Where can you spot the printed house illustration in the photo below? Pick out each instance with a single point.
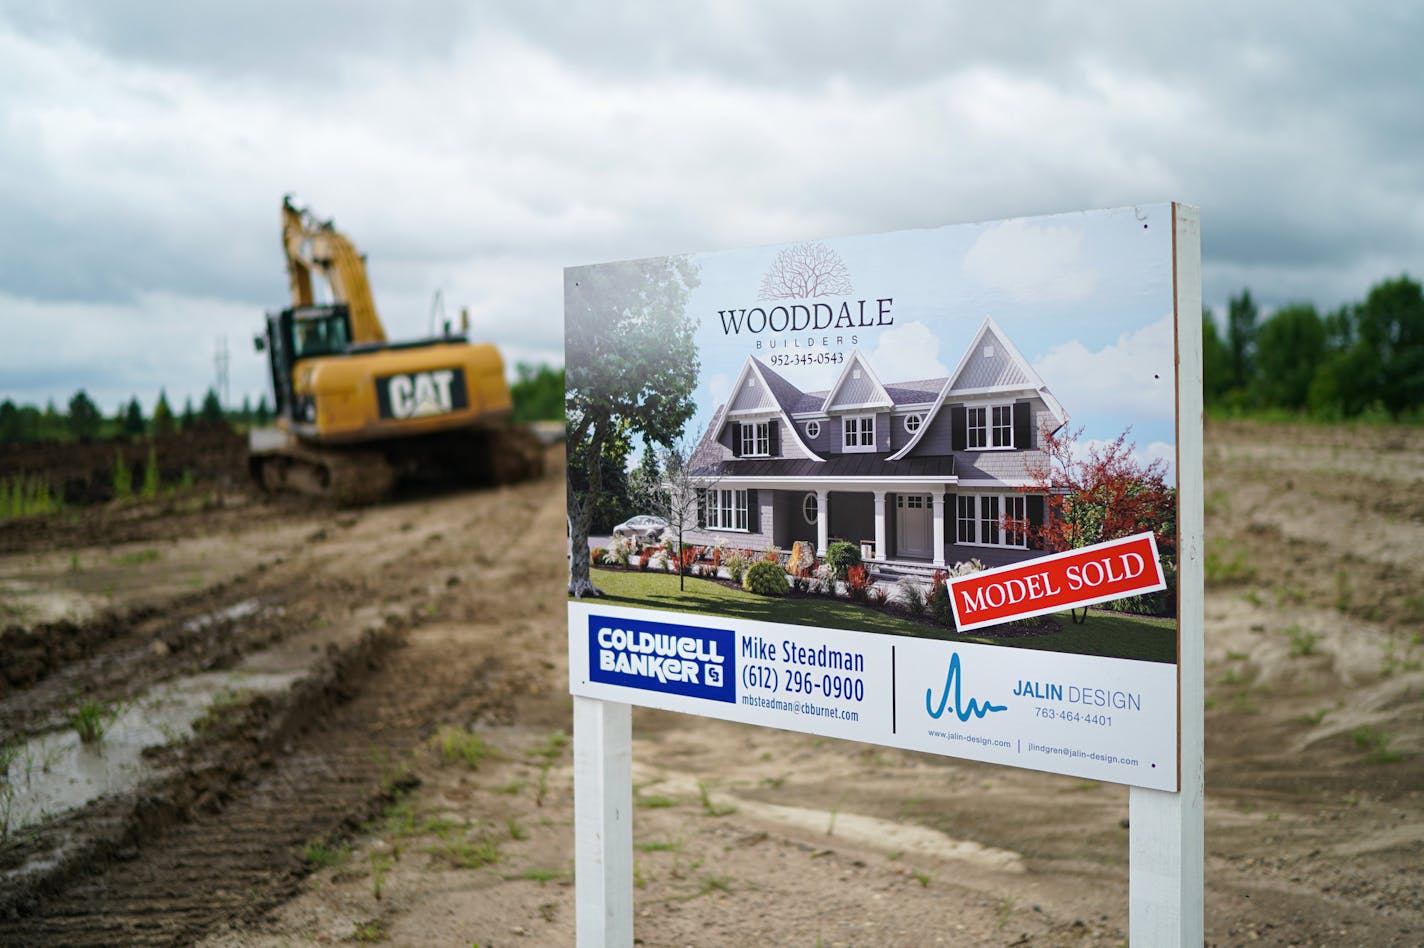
(920, 472)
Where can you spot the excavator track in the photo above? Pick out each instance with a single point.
(484, 456)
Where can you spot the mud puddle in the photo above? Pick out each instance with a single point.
(55, 772)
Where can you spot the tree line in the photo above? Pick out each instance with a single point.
(538, 393)
(1364, 360)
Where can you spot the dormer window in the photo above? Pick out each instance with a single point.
(913, 422)
(813, 430)
(858, 433)
(756, 439)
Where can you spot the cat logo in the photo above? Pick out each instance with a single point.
(422, 393)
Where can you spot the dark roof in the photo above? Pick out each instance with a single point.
(840, 465)
(788, 396)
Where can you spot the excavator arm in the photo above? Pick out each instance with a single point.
(313, 246)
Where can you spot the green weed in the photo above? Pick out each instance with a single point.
(552, 747)
(541, 875)
(653, 802)
(92, 719)
(137, 557)
(1375, 740)
(149, 490)
(658, 846)
(370, 932)
(1225, 566)
(1302, 641)
(467, 854)
(26, 496)
(323, 854)
(457, 744)
(516, 829)
(380, 865)
(710, 808)
(122, 477)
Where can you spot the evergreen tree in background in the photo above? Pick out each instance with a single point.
(212, 413)
(1241, 340)
(162, 415)
(84, 417)
(263, 413)
(1216, 373)
(185, 420)
(133, 424)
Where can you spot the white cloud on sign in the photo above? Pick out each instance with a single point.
(907, 353)
(1032, 263)
(1136, 371)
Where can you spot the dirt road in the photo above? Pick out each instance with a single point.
(382, 753)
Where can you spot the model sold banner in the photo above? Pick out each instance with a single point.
(915, 489)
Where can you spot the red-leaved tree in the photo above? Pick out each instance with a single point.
(1103, 493)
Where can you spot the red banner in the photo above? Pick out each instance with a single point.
(1112, 570)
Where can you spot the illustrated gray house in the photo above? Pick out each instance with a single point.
(917, 472)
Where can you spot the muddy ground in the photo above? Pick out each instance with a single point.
(380, 748)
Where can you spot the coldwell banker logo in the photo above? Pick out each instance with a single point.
(806, 271)
(661, 656)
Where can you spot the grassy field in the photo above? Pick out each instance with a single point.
(1104, 633)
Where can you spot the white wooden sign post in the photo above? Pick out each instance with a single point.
(946, 467)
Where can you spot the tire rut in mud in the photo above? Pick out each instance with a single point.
(222, 840)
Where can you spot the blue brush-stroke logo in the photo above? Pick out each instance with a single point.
(954, 680)
(661, 656)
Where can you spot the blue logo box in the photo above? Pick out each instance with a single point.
(661, 656)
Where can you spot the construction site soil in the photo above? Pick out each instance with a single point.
(324, 726)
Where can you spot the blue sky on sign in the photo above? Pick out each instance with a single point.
(478, 149)
(1086, 298)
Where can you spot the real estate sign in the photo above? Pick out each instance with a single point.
(985, 416)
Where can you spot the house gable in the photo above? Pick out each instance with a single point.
(760, 395)
(991, 366)
(857, 389)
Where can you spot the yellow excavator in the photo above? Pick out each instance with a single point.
(356, 412)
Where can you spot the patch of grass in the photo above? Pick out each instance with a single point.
(551, 747)
(658, 846)
(1103, 633)
(516, 829)
(467, 854)
(26, 496)
(369, 932)
(380, 865)
(542, 875)
(1344, 591)
(1302, 641)
(710, 808)
(1315, 717)
(654, 802)
(514, 788)
(325, 853)
(923, 878)
(1375, 741)
(92, 719)
(1225, 565)
(716, 884)
(460, 745)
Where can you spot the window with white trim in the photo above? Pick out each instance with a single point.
(1003, 426)
(810, 508)
(977, 428)
(913, 422)
(756, 439)
(726, 509)
(980, 519)
(989, 426)
(813, 430)
(858, 433)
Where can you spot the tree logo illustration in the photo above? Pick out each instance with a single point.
(805, 271)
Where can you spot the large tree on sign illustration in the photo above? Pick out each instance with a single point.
(630, 366)
(1098, 493)
(805, 271)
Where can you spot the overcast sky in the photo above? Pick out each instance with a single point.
(478, 148)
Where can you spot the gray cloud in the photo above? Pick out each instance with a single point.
(478, 149)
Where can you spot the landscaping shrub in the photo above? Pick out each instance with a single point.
(765, 579)
(858, 582)
(644, 557)
(736, 566)
(938, 600)
(841, 556)
(911, 595)
(598, 555)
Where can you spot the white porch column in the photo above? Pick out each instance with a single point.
(823, 521)
(938, 496)
(880, 552)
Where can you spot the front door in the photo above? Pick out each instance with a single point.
(914, 526)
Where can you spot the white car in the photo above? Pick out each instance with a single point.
(643, 527)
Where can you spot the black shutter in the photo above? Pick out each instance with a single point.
(774, 434)
(753, 512)
(1034, 506)
(701, 509)
(736, 429)
(1023, 419)
(958, 427)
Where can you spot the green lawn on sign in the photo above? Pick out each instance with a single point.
(1104, 633)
